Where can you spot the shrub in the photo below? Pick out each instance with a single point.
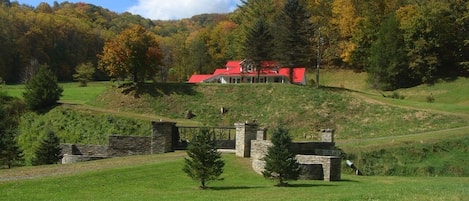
(430, 98)
(396, 95)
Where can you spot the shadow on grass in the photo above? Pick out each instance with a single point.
(306, 185)
(234, 187)
(347, 180)
(158, 89)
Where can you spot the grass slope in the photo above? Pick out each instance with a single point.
(303, 110)
(159, 177)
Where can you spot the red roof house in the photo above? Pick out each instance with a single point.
(237, 72)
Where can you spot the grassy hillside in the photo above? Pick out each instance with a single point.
(378, 133)
(303, 110)
(159, 177)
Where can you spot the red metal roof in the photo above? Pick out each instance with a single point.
(233, 68)
(199, 78)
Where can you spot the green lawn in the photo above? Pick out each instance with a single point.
(82, 95)
(159, 177)
(72, 92)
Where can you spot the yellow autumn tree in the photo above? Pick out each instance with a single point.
(345, 18)
(134, 53)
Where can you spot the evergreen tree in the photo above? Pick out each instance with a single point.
(280, 161)
(49, 151)
(204, 163)
(388, 61)
(10, 109)
(293, 36)
(10, 153)
(42, 90)
(258, 46)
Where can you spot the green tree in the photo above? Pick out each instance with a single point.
(280, 161)
(49, 151)
(10, 153)
(42, 90)
(84, 73)
(204, 163)
(134, 53)
(258, 46)
(431, 39)
(10, 110)
(293, 36)
(388, 68)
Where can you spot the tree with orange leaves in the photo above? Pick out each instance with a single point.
(134, 53)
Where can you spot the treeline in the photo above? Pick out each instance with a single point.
(399, 43)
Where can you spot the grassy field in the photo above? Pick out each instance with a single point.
(72, 92)
(159, 177)
(366, 123)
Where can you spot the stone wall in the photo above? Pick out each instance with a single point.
(128, 145)
(314, 165)
(73, 153)
(258, 151)
(330, 165)
(81, 149)
(311, 147)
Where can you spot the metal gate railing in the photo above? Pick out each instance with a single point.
(225, 137)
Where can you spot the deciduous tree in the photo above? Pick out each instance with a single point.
(134, 53)
(84, 73)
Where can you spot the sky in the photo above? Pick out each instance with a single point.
(156, 9)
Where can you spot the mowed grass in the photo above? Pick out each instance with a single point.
(450, 96)
(159, 177)
(72, 92)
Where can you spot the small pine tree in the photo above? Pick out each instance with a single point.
(204, 163)
(280, 161)
(10, 153)
(42, 90)
(49, 151)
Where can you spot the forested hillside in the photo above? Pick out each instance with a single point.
(400, 43)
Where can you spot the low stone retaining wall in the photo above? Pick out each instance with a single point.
(313, 167)
(128, 145)
(81, 149)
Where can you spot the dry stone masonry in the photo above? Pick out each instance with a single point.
(318, 160)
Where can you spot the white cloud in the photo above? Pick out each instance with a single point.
(178, 9)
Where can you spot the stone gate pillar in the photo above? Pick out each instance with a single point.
(245, 132)
(162, 137)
